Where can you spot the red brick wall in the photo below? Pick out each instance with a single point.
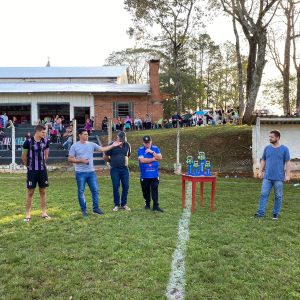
(141, 105)
(154, 79)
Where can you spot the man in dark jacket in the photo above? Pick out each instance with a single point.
(118, 159)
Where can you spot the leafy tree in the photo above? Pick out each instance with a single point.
(137, 60)
(253, 17)
(167, 24)
(273, 91)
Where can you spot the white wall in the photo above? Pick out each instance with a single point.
(75, 100)
(290, 137)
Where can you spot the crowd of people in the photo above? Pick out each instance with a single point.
(129, 123)
(206, 117)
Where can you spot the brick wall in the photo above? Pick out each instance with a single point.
(142, 105)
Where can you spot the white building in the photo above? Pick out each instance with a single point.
(290, 137)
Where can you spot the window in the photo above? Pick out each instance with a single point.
(123, 109)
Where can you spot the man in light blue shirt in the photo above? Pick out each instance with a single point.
(81, 154)
(275, 163)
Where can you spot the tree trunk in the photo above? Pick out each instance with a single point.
(256, 66)
(240, 71)
(298, 89)
(286, 68)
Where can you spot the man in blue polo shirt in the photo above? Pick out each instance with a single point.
(149, 156)
(275, 162)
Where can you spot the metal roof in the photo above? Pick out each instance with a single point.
(279, 120)
(62, 72)
(74, 87)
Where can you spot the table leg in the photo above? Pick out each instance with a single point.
(193, 196)
(202, 193)
(213, 192)
(183, 192)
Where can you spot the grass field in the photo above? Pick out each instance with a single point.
(127, 255)
(227, 147)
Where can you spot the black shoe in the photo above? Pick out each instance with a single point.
(258, 216)
(275, 217)
(98, 212)
(157, 209)
(84, 214)
(147, 206)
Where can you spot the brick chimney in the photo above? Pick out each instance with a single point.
(154, 80)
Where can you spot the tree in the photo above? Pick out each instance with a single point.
(273, 91)
(252, 16)
(172, 22)
(296, 59)
(288, 9)
(137, 60)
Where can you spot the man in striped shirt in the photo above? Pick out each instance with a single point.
(34, 156)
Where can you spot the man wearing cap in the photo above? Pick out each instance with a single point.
(118, 159)
(149, 156)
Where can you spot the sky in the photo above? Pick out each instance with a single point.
(70, 32)
(73, 32)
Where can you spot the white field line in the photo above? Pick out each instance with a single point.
(176, 285)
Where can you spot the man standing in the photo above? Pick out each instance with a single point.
(276, 164)
(118, 158)
(34, 156)
(81, 154)
(149, 157)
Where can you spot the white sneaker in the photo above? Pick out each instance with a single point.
(116, 208)
(125, 207)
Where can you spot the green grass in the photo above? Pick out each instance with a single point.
(223, 145)
(127, 255)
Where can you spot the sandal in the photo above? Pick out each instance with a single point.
(46, 217)
(26, 220)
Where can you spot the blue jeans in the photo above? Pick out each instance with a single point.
(117, 175)
(265, 192)
(91, 179)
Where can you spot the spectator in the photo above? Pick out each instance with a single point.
(15, 121)
(118, 158)
(149, 157)
(58, 126)
(176, 117)
(138, 124)
(127, 123)
(168, 123)
(4, 120)
(88, 126)
(104, 124)
(28, 136)
(69, 138)
(118, 123)
(93, 122)
(200, 120)
(81, 154)
(147, 122)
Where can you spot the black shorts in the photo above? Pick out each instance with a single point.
(34, 177)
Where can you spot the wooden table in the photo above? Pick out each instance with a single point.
(201, 180)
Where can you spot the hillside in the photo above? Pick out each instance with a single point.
(227, 147)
